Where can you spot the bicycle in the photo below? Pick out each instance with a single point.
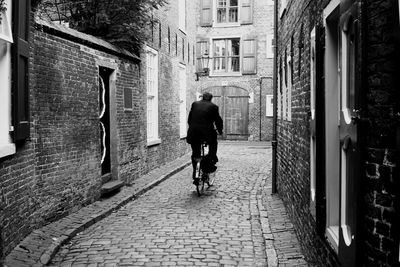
(201, 176)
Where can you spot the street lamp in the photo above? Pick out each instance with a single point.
(204, 61)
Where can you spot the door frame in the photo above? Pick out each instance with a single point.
(110, 69)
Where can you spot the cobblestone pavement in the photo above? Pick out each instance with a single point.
(169, 225)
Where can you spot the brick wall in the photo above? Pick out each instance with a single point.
(58, 170)
(379, 201)
(254, 84)
(293, 155)
(382, 225)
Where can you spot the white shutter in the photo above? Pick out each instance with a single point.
(182, 101)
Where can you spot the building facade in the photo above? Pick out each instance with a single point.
(78, 112)
(337, 128)
(237, 37)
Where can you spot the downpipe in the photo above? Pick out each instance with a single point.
(275, 98)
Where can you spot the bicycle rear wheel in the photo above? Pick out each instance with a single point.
(199, 181)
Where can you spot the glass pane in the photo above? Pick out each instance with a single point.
(219, 48)
(219, 64)
(233, 2)
(234, 64)
(352, 67)
(221, 15)
(221, 3)
(233, 14)
(234, 44)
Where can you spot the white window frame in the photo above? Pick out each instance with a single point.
(289, 88)
(332, 185)
(270, 45)
(211, 63)
(182, 15)
(5, 25)
(7, 146)
(225, 24)
(269, 106)
(282, 8)
(182, 101)
(152, 96)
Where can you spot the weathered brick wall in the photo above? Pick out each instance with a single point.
(379, 217)
(262, 25)
(171, 55)
(58, 170)
(382, 224)
(293, 170)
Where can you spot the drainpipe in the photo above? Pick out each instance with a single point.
(275, 98)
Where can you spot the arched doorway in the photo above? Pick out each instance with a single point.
(233, 105)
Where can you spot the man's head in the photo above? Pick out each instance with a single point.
(207, 96)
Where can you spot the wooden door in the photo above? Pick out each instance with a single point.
(351, 55)
(234, 110)
(104, 119)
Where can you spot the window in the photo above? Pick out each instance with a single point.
(269, 106)
(14, 111)
(5, 24)
(152, 96)
(270, 46)
(282, 8)
(169, 40)
(182, 15)
(227, 11)
(7, 147)
(289, 84)
(182, 101)
(226, 55)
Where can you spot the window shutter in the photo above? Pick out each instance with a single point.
(246, 14)
(206, 13)
(249, 56)
(202, 46)
(20, 90)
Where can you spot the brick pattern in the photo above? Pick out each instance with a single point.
(260, 126)
(58, 170)
(380, 156)
(293, 136)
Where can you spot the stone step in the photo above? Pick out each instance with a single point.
(111, 187)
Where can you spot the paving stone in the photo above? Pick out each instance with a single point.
(237, 222)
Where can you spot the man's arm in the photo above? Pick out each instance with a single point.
(218, 121)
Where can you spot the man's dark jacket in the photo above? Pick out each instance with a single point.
(202, 117)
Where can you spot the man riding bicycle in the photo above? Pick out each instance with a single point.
(204, 123)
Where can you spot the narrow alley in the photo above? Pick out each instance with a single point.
(230, 225)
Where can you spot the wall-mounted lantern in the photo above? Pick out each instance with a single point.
(204, 61)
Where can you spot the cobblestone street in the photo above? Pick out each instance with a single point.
(171, 226)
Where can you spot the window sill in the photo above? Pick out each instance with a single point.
(226, 25)
(225, 74)
(153, 142)
(7, 150)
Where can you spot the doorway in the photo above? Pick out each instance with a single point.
(343, 68)
(233, 103)
(106, 124)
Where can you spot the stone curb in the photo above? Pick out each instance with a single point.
(38, 248)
